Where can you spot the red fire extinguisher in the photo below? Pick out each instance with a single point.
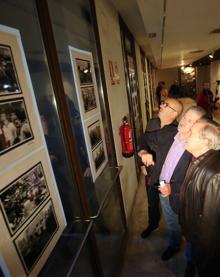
(125, 132)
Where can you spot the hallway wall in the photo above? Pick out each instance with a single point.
(109, 31)
(167, 75)
(202, 75)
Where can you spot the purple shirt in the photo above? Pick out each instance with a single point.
(175, 153)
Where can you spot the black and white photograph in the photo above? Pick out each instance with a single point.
(9, 83)
(15, 127)
(32, 242)
(95, 134)
(23, 197)
(98, 156)
(84, 72)
(89, 100)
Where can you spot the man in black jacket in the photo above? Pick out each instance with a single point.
(200, 198)
(154, 145)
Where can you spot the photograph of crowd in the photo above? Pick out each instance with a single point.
(32, 242)
(98, 156)
(9, 83)
(15, 128)
(95, 133)
(84, 72)
(22, 197)
(89, 101)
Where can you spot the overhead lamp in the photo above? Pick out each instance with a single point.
(211, 55)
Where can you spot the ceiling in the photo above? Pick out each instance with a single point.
(181, 27)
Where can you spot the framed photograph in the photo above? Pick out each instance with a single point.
(84, 72)
(9, 83)
(33, 240)
(15, 126)
(20, 199)
(95, 134)
(89, 100)
(99, 156)
(90, 113)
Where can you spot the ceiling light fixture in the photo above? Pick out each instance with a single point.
(211, 55)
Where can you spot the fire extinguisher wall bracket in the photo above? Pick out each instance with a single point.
(127, 155)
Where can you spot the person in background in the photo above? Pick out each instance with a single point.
(172, 174)
(160, 85)
(199, 212)
(152, 150)
(204, 99)
(164, 94)
(174, 90)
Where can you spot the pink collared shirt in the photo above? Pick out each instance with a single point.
(175, 153)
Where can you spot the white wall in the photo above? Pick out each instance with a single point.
(167, 75)
(109, 31)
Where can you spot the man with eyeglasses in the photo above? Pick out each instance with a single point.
(153, 147)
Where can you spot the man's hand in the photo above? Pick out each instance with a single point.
(143, 170)
(165, 190)
(146, 158)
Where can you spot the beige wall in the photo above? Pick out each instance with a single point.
(109, 31)
(167, 75)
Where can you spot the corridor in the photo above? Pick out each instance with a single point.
(79, 82)
(142, 256)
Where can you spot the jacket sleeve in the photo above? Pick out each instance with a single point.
(177, 180)
(210, 217)
(146, 139)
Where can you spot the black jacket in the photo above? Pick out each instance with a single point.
(158, 141)
(200, 203)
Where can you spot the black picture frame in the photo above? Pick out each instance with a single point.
(31, 243)
(23, 197)
(9, 82)
(95, 134)
(84, 71)
(15, 112)
(98, 155)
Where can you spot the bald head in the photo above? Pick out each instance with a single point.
(170, 109)
(176, 104)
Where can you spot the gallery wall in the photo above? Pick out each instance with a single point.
(109, 32)
(31, 212)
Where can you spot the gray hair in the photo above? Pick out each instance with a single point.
(197, 109)
(211, 133)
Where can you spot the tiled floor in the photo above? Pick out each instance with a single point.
(143, 255)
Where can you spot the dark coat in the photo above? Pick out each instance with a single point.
(200, 202)
(158, 141)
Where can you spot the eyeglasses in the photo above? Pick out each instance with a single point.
(165, 104)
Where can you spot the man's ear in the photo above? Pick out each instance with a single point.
(206, 142)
